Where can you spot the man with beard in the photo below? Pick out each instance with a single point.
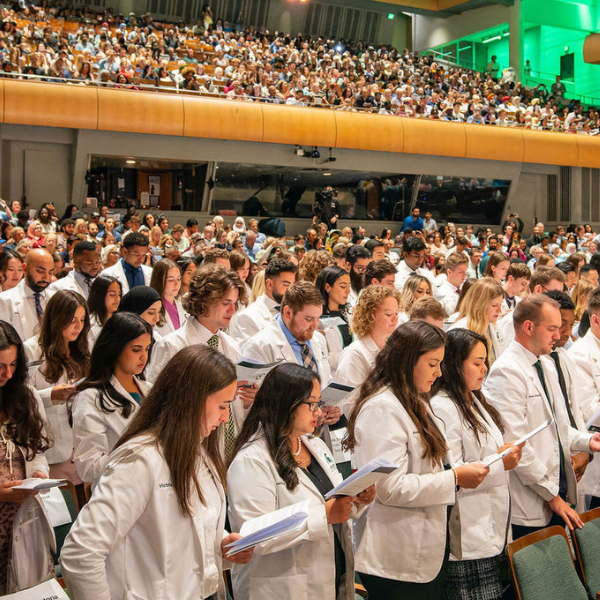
(279, 276)
(357, 259)
(86, 266)
(23, 306)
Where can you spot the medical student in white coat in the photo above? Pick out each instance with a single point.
(130, 270)
(334, 284)
(112, 392)
(413, 254)
(154, 527)
(58, 358)
(374, 319)
(23, 306)
(480, 309)
(146, 302)
(403, 546)
(472, 429)
(86, 266)
(166, 280)
(23, 441)
(278, 463)
(585, 354)
(103, 302)
(524, 388)
(211, 302)
(279, 274)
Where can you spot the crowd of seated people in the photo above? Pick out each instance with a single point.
(243, 63)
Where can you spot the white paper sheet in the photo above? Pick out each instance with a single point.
(43, 591)
(335, 393)
(365, 477)
(270, 526)
(37, 483)
(252, 371)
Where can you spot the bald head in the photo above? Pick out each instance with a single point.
(39, 268)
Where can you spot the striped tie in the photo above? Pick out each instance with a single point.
(308, 359)
(39, 311)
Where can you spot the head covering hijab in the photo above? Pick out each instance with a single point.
(237, 228)
(139, 299)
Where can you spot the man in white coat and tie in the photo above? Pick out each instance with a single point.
(456, 272)
(86, 266)
(291, 337)
(523, 386)
(585, 353)
(211, 302)
(130, 270)
(279, 275)
(23, 306)
(413, 253)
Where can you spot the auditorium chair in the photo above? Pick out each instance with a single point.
(542, 567)
(587, 552)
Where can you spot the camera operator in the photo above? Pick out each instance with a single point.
(326, 207)
(515, 221)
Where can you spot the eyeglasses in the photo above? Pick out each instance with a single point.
(314, 406)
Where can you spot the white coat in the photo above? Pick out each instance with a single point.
(95, 432)
(513, 387)
(117, 271)
(355, 362)
(68, 282)
(251, 320)
(584, 355)
(190, 333)
(335, 345)
(483, 511)
(270, 345)
(404, 532)
(95, 329)
(299, 565)
(57, 417)
(131, 541)
(17, 307)
(169, 326)
(493, 334)
(404, 272)
(448, 297)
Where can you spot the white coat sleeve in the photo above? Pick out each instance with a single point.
(162, 352)
(352, 368)
(252, 493)
(506, 392)
(382, 432)
(454, 432)
(39, 463)
(118, 502)
(252, 348)
(89, 440)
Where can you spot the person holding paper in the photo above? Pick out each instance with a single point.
(279, 274)
(154, 527)
(524, 388)
(211, 302)
(403, 549)
(334, 284)
(290, 337)
(374, 319)
(23, 441)
(59, 357)
(473, 430)
(277, 463)
(112, 392)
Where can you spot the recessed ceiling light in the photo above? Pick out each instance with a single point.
(326, 174)
(130, 161)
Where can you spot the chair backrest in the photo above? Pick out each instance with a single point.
(587, 551)
(542, 567)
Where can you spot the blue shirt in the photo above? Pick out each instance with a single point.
(134, 277)
(294, 343)
(414, 224)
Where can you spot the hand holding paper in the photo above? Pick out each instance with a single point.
(35, 483)
(364, 478)
(240, 558)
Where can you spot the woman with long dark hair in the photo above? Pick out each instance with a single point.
(23, 440)
(58, 358)
(11, 269)
(103, 302)
(154, 526)
(392, 419)
(277, 462)
(334, 284)
(473, 431)
(111, 393)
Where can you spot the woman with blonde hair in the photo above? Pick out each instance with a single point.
(313, 262)
(80, 228)
(416, 287)
(479, 312)
(580, 296)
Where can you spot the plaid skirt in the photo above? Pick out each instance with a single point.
(474, 579)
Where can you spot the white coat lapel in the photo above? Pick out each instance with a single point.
(304, 478)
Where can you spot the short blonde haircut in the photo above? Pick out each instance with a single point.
(370, 301)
